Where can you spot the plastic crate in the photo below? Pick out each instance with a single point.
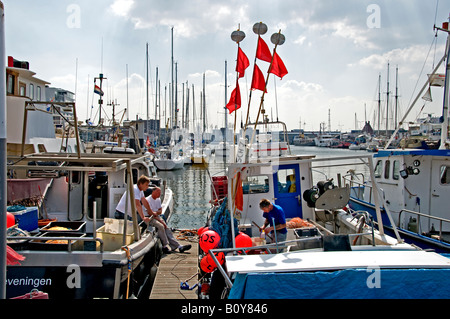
(112, 234)
(219, 187)
(27, 219)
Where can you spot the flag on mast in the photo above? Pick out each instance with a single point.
(278, 67)
(242, 63)
(235, 99)
(98, 90)
(262, 51)
(258, 82)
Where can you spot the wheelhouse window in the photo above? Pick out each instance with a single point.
(31, 91)
(22, 89)
(10, 85)
(255, 184)
(445, 175)
(378, 169)
(387, 167)
(286, 180)
(396, 170)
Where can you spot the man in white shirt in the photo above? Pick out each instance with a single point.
(139, 187)
(164, 232)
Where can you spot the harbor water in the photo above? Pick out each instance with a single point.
(191, 185)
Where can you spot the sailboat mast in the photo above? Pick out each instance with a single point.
(146, 63)
(387, 102)
(156, 103)
(396, 98)
(171, 101)
(379, 102)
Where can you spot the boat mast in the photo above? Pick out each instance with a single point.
(387, 102)
(396, 98)
(156, 105)
(171, 93)
(379, 103)
(146, 63)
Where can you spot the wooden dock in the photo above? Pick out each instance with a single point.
(175, 268)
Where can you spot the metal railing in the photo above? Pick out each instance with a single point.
(69, 239)
(268, 248)
(429, 217)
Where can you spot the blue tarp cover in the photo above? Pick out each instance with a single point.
(344, 284)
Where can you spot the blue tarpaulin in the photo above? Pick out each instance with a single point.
(345, 284)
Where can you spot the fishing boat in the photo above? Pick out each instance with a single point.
(328, 244)
(331, 250)
(267, 144)
(93, 255)
(414, 183)
(82, 252)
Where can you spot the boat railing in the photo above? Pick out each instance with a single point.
(428, 217)
(358, 187)
(273, 248)
(68, 238)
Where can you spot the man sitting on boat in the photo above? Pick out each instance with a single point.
(164, 232)
(276, 218)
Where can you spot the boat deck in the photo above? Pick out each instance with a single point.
(174, 269)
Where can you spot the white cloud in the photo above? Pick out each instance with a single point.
(122, 7)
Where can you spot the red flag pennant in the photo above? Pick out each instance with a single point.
(242, 63)
(235, 100)
(263, 52)
(258, 82)
(278, 67)
(239, 200)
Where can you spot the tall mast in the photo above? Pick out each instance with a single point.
(172, 104)
(396, 97)
(379, 102)
(146, 64)
(156, 103)
(387, 102)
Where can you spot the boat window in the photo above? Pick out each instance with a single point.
(76, 177)
(286, 180)
(378, 169)
(31, 91)
(22, 89)
(445, 175)
(396, 170)
(134, 172)
(10, 85)
(255, 184)
(387, 167)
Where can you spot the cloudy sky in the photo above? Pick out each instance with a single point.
(334, 52)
